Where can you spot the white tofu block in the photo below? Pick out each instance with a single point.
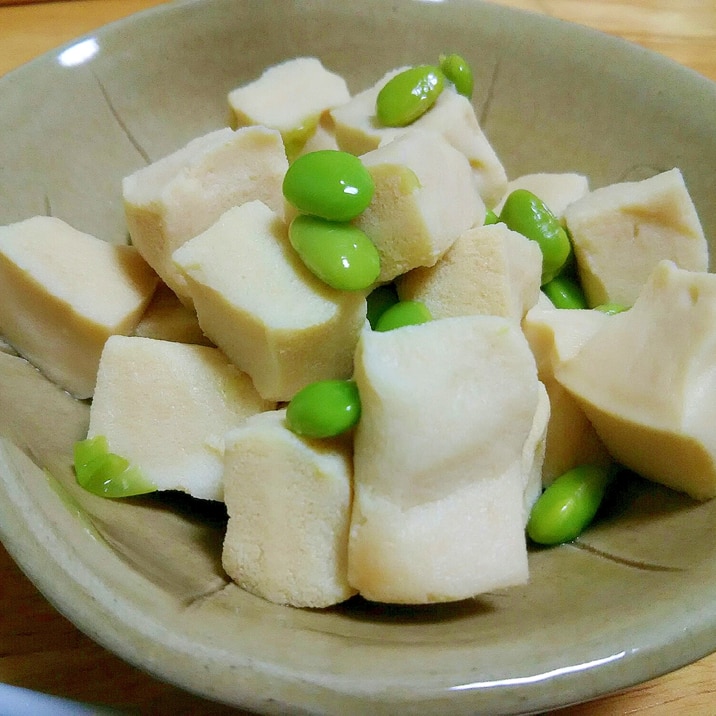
(424, 199)
(257, 301)
(555, 336)
(622, 231)
(166, 406)
(489, 270)
(168, 319)
(289, 504)
(557, 191)
(174, 199)
(290, 97)
(646, 381)
(453, 116)
(64, 293)
(440, 463)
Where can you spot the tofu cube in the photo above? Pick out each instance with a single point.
(489, 270)
(440, 469)
(289, 506)
(176, 198)
(257, 301)
(291, 97)
(424, 199)
(166, 406)
(646, 381)
(357, 131)
(622, 231)
(64, 293)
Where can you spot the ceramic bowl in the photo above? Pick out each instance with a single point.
(634, 598)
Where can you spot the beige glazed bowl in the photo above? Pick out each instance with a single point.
(634, 598)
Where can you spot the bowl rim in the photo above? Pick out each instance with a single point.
(48, 561)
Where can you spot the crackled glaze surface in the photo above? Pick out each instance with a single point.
(633, 599)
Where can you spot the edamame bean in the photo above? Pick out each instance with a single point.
(456, 69)
(324, 409)
(379, 300)
(294, 140)
(490, 218)
(105, 473)
(611, 308)
(408, 95)
(527, 214)
(569, 504)
(329, 183)
(565, 292)
(338, 253)
(403, 313)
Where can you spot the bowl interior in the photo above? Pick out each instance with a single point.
(633, 599)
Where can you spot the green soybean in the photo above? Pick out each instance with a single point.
(338, 253)
(528, 214)
(408, 95)
(459, 72)
(324, 409)
(490, 218)
(379, 300)
(569, 504)
(611, 308)
(105, 473)
(403, 313)
(565, 292)
(329, 183)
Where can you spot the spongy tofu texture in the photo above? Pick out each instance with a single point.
(258, 302)
(64, 292)
(440, 469)
(289, 503)
(181, 195)
(166, 406)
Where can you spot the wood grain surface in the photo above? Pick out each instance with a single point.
(41, 650)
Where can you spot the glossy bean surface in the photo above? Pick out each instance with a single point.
(338, 253)
(105, 473)
(457, 70)
(565, 292)
(379, 300)
(528, 214)
(403, 313)
(568, 505)
(324, 409)
(330, 184)
(408, 95)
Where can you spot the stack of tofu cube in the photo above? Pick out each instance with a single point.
(192, 340)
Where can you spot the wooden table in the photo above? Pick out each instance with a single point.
(41, 650)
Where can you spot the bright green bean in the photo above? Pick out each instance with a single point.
(565, 292)
(324, 409)
(329, 183)
(527, 214)
(569, 504)
(105, 473)
(408, 95)
(403, 313)
(339, 253)
(379, 300)
(490, 218)
(459, 72)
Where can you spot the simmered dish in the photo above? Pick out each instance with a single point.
(395, 365)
